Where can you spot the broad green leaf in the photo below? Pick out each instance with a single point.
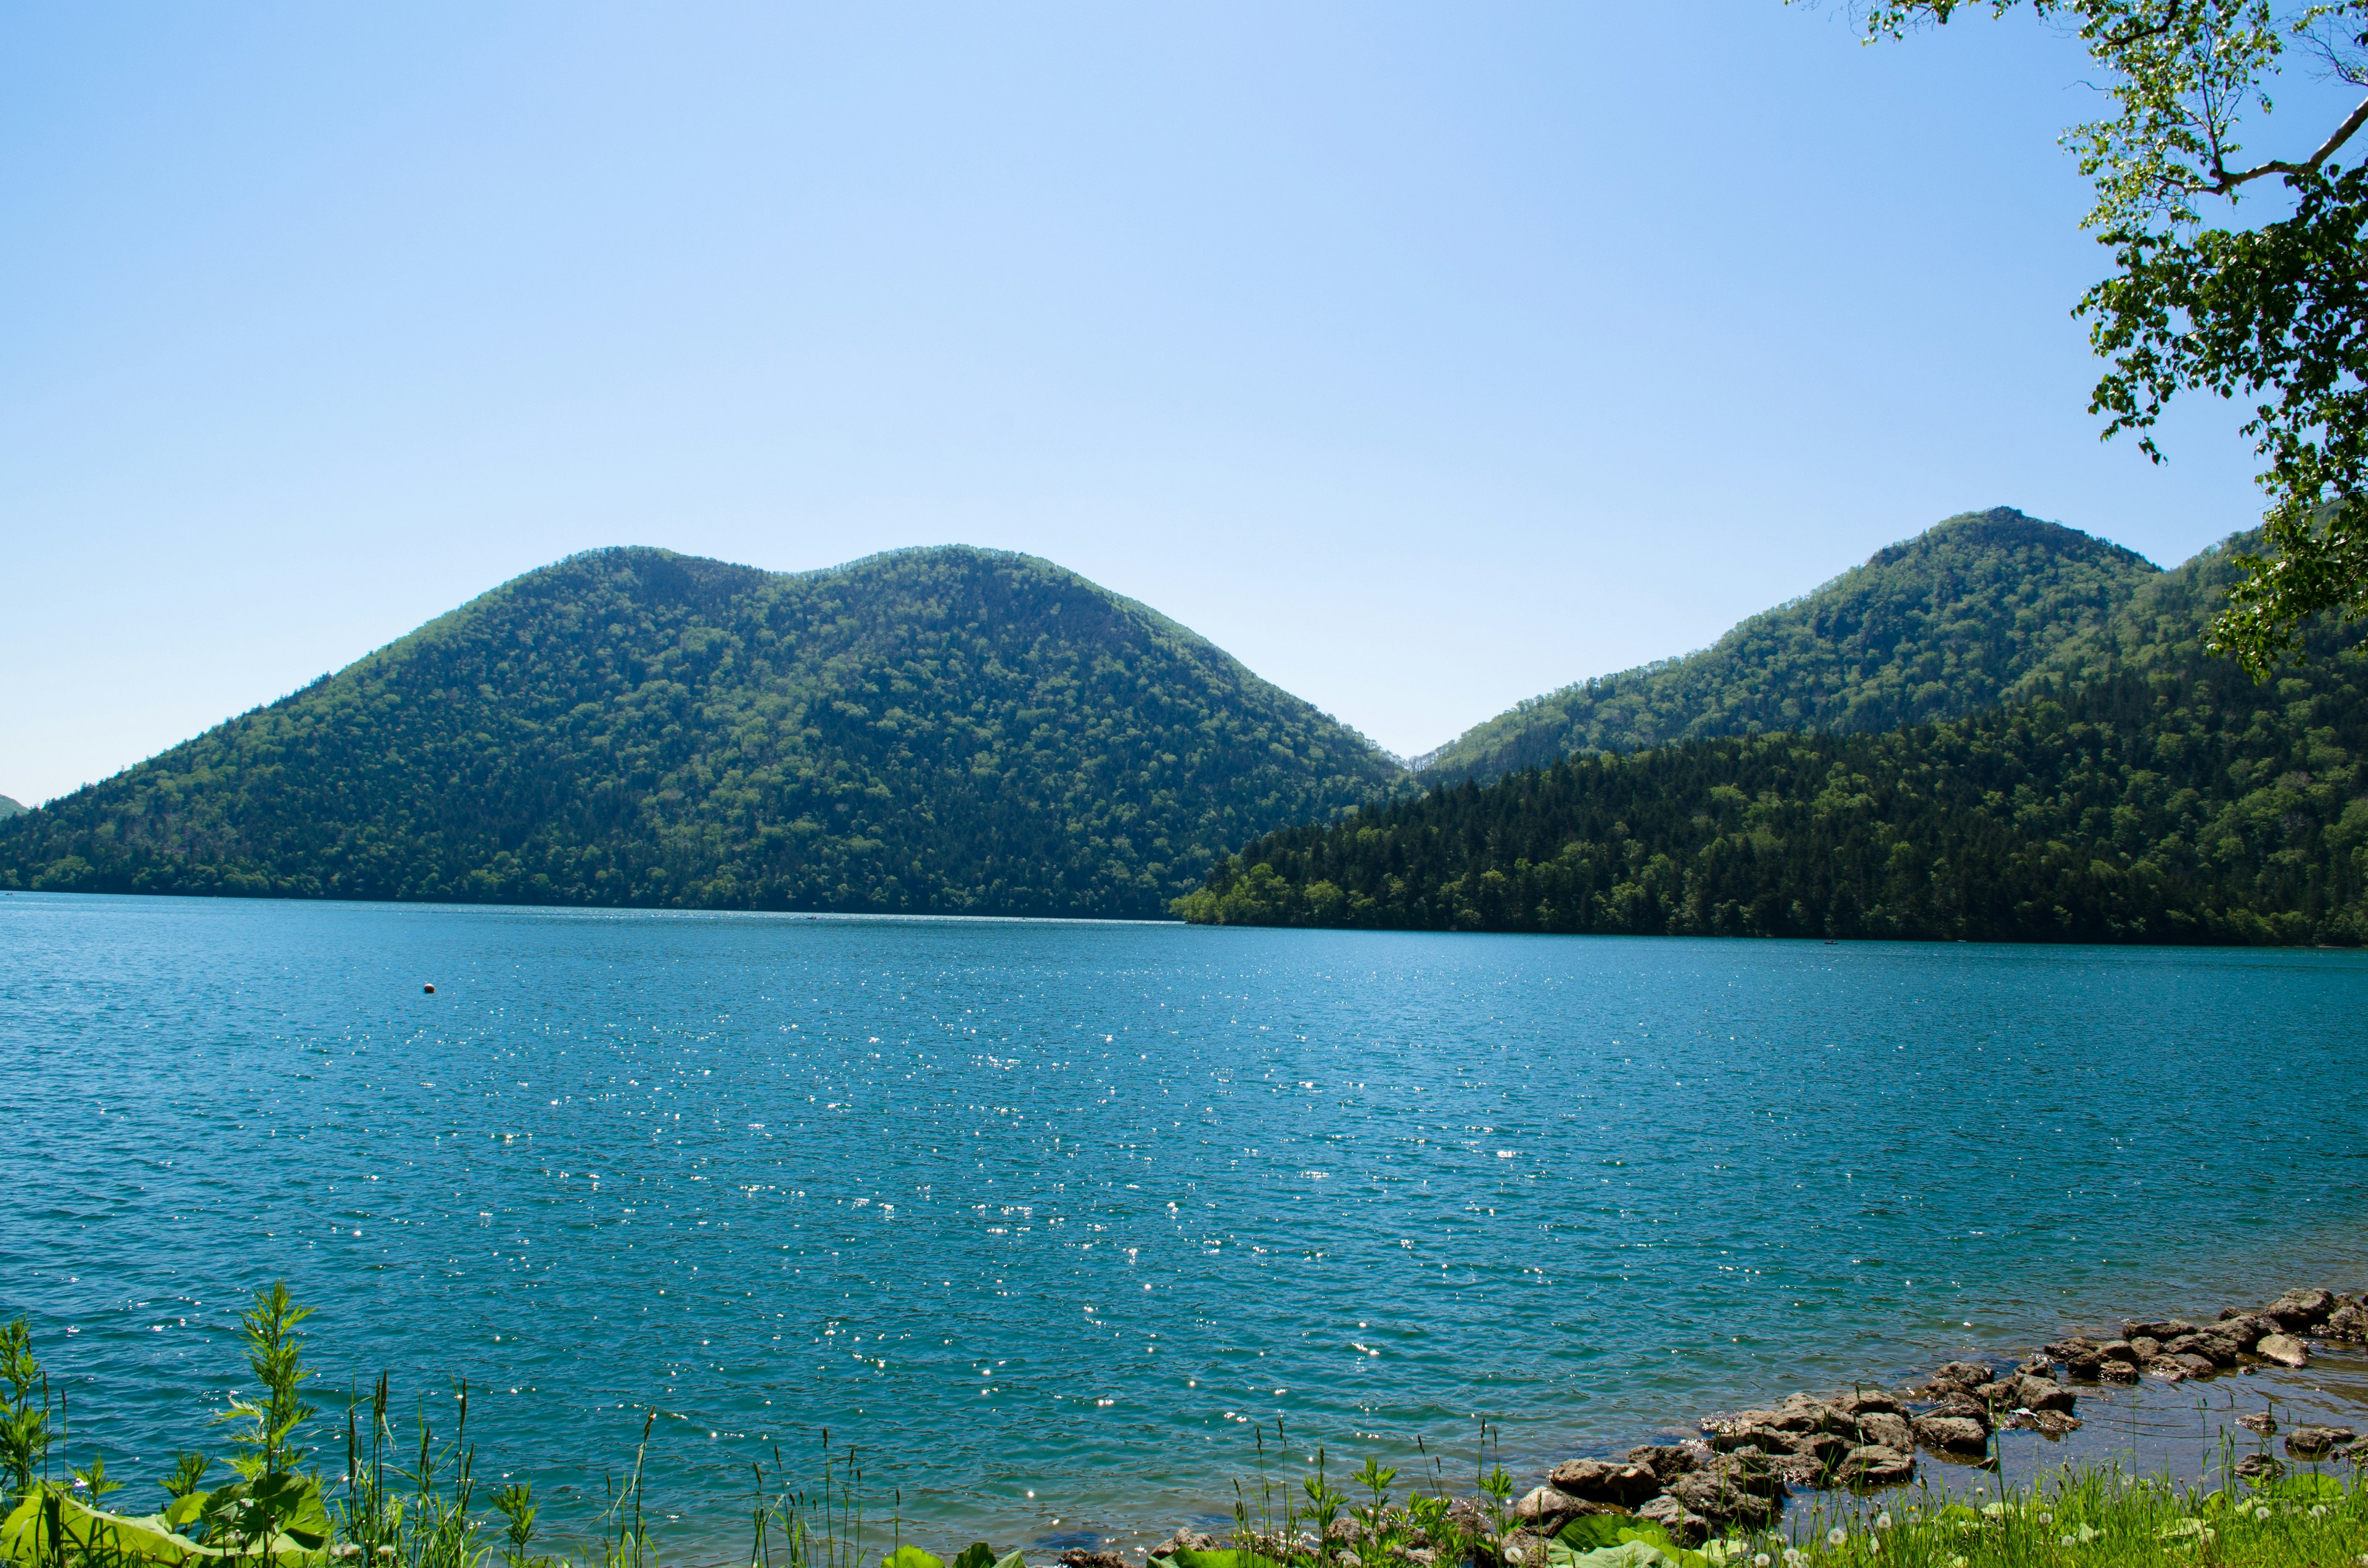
(977, 1554)
(911, 1557)
(1589, 1532)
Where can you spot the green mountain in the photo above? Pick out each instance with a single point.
(1939, 626)
(947, 730)
(9, 808)
(2135, 789)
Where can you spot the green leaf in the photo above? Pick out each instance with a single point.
(1224, 1558)
(50, 1524)
(977, 1554)
(911, 1557)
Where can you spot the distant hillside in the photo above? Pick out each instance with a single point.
(2135, 790)
(1939, 626)
(9, 808)
(949, 730)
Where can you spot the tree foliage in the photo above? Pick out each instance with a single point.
(2272, 314)
(1939, 626)
(2141, 788)
(954, 731)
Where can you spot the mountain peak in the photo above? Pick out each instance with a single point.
(1932, 627)
(939, 730)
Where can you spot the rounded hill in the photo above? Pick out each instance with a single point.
(945, 730)
(1935, 627)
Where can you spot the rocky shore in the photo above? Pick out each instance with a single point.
(1736, 1476)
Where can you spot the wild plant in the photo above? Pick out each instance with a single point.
(515, 1502)
(266, 1429)
(1324, 1503)
(1496, 1486)
(190, 1468)
(1376, 1535)
(93, 1480)
(24, 1426)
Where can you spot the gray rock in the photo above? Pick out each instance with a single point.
(1684, 1527)
(2165, 1369)
(1801, 1414)
(2348, 1324)
(2196, 1364)
(2301, 1309)
(2259, 1468)
(2220, 1350)
(1963, 1375)
(2314, 1442)
(1822, 1449)
(1886, 1429)
(2144, 1347)
(2047, 1423)
(2043, 1393)
(1955, 1436)
(2158, 1329)
(2248, 1327)
(2260, 1421)
(1665, 1461)
(1748, 1468)
(1547, 1507)
(1770, 1439)
(1876, 1464)
(1599, 1482)
(2085, 1362)
(2117, 1371)
(1964, 1407)
(2283, 1349)
(1721, 1498)
(1863, 1402)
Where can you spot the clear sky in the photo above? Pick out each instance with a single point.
(1424, 356)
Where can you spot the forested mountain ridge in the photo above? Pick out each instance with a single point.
(2138, 789)
(942, 730)
(1938, 626)
(9, 808)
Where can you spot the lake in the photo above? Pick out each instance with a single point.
(1050, 1218)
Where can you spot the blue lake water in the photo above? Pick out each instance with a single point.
(1045, 1216)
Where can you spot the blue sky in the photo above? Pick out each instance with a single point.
(1424, 356)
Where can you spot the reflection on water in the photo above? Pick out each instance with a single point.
(1051, 1217)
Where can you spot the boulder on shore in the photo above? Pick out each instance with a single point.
(2158, 1329)
(2348, 1324)
(2314, 1442)
(2284, 1349)
(2301, 1309)
(1727, 1498)
(1665, 1461)
(1876, 1464)
(1961, 1375)
(1685, 1526)
(1599, 1480)
(1887, 1430)
(1955, 1435)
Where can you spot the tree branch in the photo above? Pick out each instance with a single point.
(2223, 182)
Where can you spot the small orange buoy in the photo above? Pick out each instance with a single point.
(431, 989)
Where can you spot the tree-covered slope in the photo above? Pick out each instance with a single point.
(947, 730)
(9, 808)
(2137, 789)
(1939, 626)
